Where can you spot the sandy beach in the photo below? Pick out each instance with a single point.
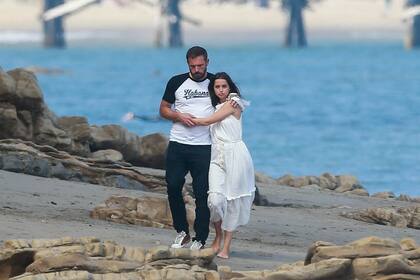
(327, 19)
(35, 207)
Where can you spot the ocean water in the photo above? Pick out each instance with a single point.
(344, 108)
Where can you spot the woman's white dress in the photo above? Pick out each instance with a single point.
(231, 175)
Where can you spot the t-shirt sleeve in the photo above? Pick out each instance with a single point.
(169, 95)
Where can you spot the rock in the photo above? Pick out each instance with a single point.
(368, 247)
(264, 179)
(408, 244)
(347, 183)
(7, 86)
(47, 132)
(8, 120)
(299, 182)
(400, 217)
(107, 155)
(79, 131)
(360, 192)
(89, 258)
(14, 263)
(28, 95)
(152, 151)
(152, 211)
(384, 195)
(285, 180)
(370, 258)
(148, 151)
(327, 181)
(46, 161)
(404, 197)
(381, 266)
(326, 269)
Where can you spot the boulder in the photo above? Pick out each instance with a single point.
(264, 179)
(7, 86)
(107, 155)
(150, 211)
(27, 95)
(384, 195)
(399, 217)
(148, 151)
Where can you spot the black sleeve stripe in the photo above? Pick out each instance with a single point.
(171, 87)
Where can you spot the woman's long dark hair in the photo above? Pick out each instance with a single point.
(221, 75)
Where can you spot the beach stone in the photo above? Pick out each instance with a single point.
(347, 183)
(264, 179)
(412, 254)
(7, 86)
(360, 192)
(313, 180)
(148, 151)
(67, 258)
(399, 217)
(79, 131)
(8, 120)
(107, 155)
(397, 277)
(152, 151)
(384, 195)
(46, 161)
(363, 268)
(259, 199)
(408, 244)
(404, 197)
(325, 269)
(299, 182)
(108, 137)
(89, 258)
(14, 263)
(28, 94)
(327, 181)
(13, 123)
(152, 211)
(77, 127)
(47, 132)
(285, 180)
(363, 248)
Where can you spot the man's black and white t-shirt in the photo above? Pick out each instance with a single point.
(192, 97)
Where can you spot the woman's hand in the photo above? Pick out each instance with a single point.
(197, 121)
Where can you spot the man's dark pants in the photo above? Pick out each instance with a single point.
(180, 159)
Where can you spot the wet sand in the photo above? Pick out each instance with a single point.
(34, 207)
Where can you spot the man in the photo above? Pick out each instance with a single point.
(187, 96)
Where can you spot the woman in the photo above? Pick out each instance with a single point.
(231, 175)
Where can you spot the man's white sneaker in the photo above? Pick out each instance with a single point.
(196, 245)
(181, 240)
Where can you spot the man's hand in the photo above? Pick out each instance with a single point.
(185, 119)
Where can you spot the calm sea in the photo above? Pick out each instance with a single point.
(344, 108)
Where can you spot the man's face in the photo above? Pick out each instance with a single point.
(198, 67)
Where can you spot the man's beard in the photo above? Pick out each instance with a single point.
(198, 75)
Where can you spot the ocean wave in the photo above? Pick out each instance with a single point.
(11, 37)
(16, 36)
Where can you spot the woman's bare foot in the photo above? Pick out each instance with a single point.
(216, 245)
(223, 255)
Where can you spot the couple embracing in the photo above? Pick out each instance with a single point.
(206, 140)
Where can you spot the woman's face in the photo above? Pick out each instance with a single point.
(221, 89)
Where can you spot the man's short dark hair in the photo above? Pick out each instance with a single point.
(196, 51)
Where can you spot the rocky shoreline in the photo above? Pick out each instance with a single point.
(63, 177)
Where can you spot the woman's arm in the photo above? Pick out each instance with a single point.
(226, 110)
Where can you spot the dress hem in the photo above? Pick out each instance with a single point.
(233, 198)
